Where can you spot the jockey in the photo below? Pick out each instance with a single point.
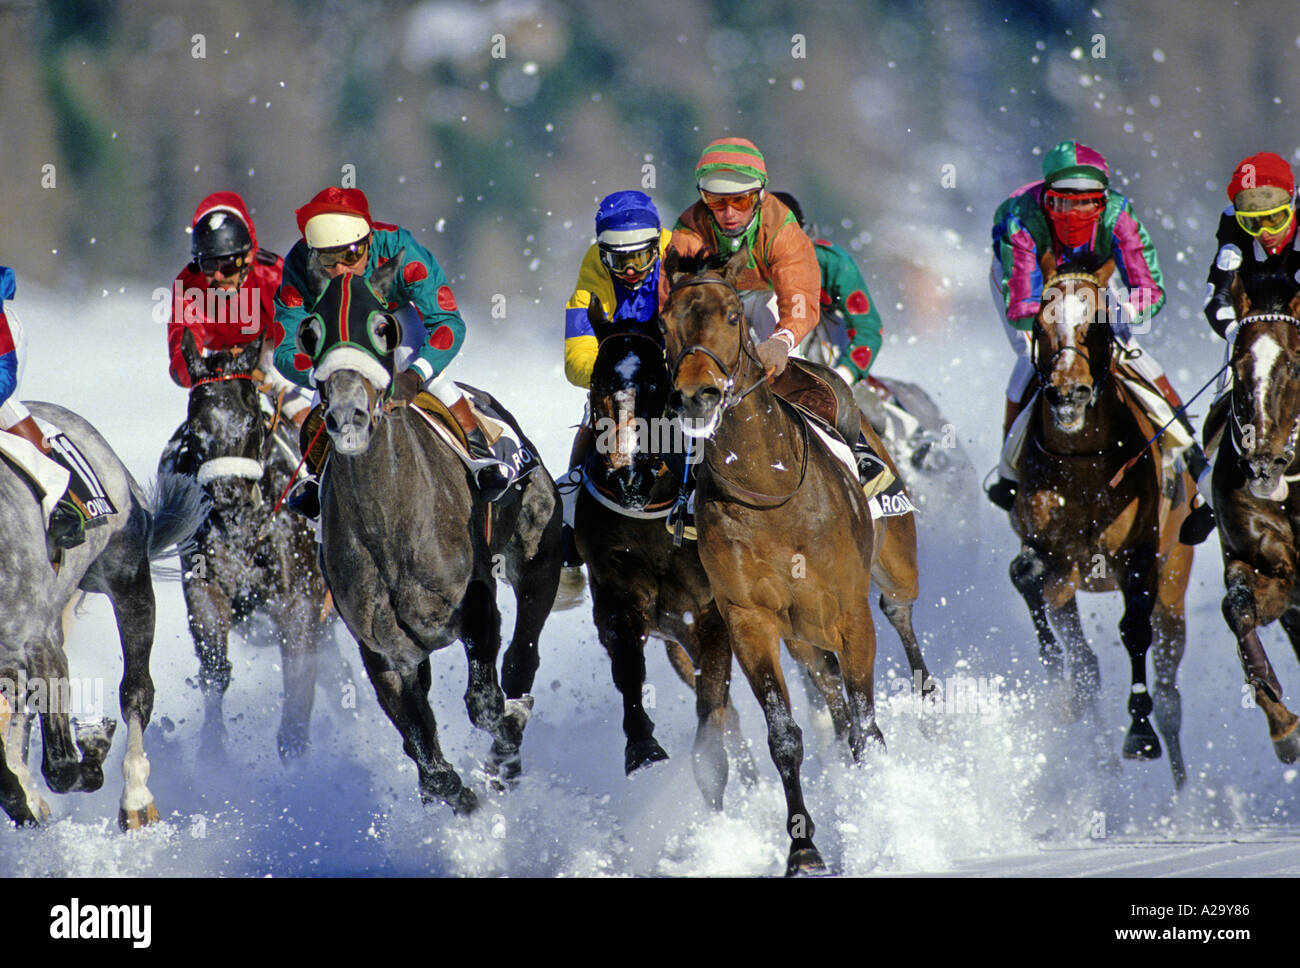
(1074, 215)
(780, 289)
(1258, 249)
(67, 520)
(225, 297)
(844, 294)
(621, 272)
(338, 237)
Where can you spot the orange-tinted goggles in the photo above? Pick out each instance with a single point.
(741, 202)
(348, 255)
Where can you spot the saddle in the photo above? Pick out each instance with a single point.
(72, 477)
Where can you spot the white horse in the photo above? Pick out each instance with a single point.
(114, 560)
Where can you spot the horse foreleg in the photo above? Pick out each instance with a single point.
(403, 695)
(68, 764)
(480, 631)
(821, 672)
(1253, 600)
(298, 623)
(623, 627)
(1139, 587)
(209, 614)
(713, 709)
(18, 798)
(1084, 670)
(857, 665)
(1029, 575)
(1169, 623)
(755, 640)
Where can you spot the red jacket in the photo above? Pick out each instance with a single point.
(219, 322)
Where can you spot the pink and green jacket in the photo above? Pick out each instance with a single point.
(1021, 233)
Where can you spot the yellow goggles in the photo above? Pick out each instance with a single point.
(1274, 220)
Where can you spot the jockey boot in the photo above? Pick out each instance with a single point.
(1198, 525)
(493, 480)
(1003, 491)
(305, 499)
(584, 442)
(68, 519)
(871, 467)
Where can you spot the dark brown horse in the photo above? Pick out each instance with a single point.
(641, 584)
(1078, 532)
(785, 532)
(1257, 512)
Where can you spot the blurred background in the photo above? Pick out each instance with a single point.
(491, 127)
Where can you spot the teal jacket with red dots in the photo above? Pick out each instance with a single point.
(844, 292)
(420, 282)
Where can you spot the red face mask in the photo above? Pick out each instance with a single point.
(1074, 215)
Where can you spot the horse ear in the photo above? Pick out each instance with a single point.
(1047, 263)
(383, 280)
(1240, 301)
(735, 266)
(600, 323)
(320, 279)
(194, 362)
(672, 266)
(1104, 273)
(1294, 306)
(247, 358)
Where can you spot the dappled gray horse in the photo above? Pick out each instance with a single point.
(245, 558)
(412, 552)
(115, 561)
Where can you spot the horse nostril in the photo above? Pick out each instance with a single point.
(676, 401)
(709, 396)
(1280, 462)
(1080, 394)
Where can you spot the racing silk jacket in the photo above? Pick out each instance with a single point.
(420, 281)
(220, 321)
(844, 292)
(1271, 281)
(594, 282)
(781, 258)
(8, 346)
(1021, 233)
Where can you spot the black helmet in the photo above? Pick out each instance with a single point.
(793, 205)
(220, 233)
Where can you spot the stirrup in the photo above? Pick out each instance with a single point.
(1003, 493)
(1196, 527)
(870, 466)
(495, 479)
(67, 525)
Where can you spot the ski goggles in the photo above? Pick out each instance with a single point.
(634, 260)
(344, 255)
(1272, 221)
(1083, 203)
(741, 202)
(224, 265)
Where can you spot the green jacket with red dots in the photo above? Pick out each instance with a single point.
(844, 292)
(420, 282)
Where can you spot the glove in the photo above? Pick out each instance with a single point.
(774, 354)
(849, 376)
(405, 386)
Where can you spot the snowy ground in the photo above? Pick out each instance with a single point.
(1005, 791)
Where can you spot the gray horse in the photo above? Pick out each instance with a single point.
(412, 554)
(114, 561)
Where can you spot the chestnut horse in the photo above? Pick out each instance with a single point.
(1258, 515)
(785, 531)
(1078, 532)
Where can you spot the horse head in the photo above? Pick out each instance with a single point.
(351, 336)
(629, 394)
(707, 339)
(1265, 407)
(1072, 344)
(224, 426)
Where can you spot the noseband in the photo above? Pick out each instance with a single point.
(729, 395)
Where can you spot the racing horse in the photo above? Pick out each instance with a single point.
(245, 558)
(114, 561)
(786, 535)
(1080, 529)
(642, 583)
(1257, 512)
(411, 550)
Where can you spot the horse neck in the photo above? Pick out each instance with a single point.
(755, 437)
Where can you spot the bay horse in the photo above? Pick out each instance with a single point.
(1257, 510)
(113, 561)
(246, 559)
(412, 552)
(786, 535)
(1080, 530)
(641, 583)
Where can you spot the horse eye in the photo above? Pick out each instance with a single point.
(734, 319)
(311, 332)
(384, 335)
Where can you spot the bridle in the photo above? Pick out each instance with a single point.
(729, 395)
(1043, 370)
(215, 468)
(1237, 427)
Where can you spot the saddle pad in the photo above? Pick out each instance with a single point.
(506, 440)
(84, 485)
(888, 497)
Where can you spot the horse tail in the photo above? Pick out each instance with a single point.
(177, 507)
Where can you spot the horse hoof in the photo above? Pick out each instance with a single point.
(465, 803)
(572, 590)
(1287, 747)
(292, 746)
(642, 754)
(1141, 743)
(94, 737)
(518, 712)
(135, 819)
(805, 862)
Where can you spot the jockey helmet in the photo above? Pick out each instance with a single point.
(731, 176)
(335, 218)
(219, 233)
(1075, 180)
(627, 234)
(1262, 191)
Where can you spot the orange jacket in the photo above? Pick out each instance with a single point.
(782, 258)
